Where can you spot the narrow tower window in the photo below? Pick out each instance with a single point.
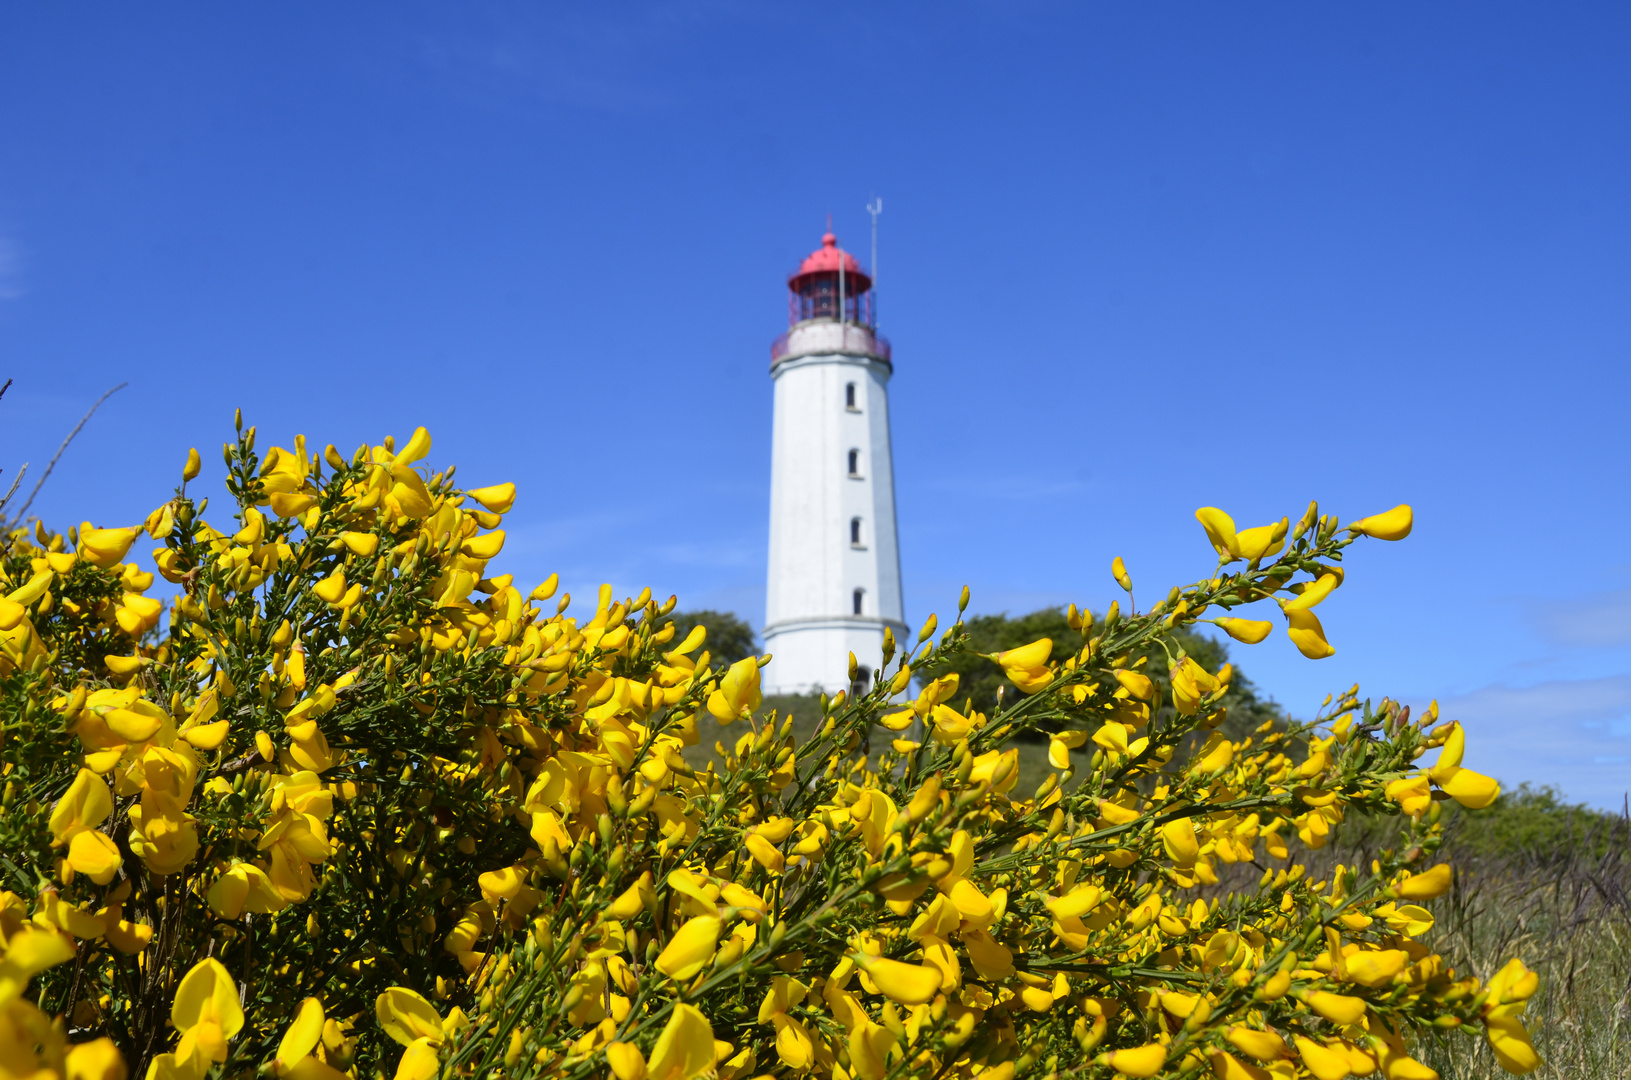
(856, 599)
(855, 532)
(855, 463)
(849, 398)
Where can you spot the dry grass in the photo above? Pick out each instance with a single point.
(1549, 884)
(1565, 909)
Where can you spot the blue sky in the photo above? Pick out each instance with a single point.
(1135, 259)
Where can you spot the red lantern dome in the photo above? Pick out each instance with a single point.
(828, 279)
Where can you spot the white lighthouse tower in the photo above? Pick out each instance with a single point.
(834, 580)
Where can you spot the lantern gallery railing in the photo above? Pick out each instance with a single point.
(818, 337)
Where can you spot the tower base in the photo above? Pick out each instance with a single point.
(811, 656)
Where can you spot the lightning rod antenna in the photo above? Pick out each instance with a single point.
(875, 207)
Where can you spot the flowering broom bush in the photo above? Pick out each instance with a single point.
(364, 807)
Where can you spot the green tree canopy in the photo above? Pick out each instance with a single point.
(729, 637)
(980, 678)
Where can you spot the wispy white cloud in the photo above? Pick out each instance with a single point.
(609, 60)
(580, 539)
(11, 269)
(1560, 702)
(1011, 487)
(553, 535)
(703, 554)
(1572, 734)
(1600, 620)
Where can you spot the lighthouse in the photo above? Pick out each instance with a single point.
(834, 576)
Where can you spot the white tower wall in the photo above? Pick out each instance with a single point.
(810, 622)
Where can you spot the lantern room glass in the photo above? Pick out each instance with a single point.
(815, 296)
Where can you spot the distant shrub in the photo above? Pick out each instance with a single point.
(1534, 822)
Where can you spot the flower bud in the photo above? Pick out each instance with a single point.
(1308, 520)
(1118, 570)
(925, 800)
(76, 703)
